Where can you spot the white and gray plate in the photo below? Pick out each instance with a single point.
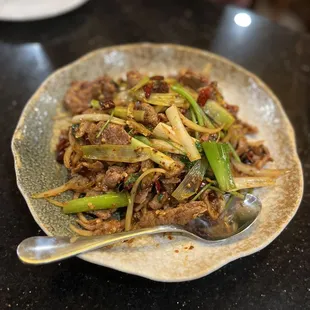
(161, 257)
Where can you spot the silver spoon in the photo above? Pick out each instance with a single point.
(234, 220)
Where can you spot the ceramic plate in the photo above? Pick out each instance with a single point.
(25, 10)
(160, 257)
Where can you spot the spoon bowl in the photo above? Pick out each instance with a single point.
(235, 219)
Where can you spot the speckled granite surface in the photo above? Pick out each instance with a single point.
(275, 278)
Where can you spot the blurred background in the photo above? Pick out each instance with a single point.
(293, 14)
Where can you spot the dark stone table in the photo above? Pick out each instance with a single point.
(275, 278)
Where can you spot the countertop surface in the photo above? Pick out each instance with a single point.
(278, 277)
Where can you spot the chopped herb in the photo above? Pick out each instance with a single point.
(75, 128)
(160, 197)
(105, 125)
(185, 160)
(131, 180)
(199, 147)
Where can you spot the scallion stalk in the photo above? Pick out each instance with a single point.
(143, 140)
(191, 182)
(194, 120)
(140, 84)
(218, 157)
(156, 156)
(201, 117)
(107, 201)
(219, 114)
(234, 153)
(95, 104)
(182, 134)
(122, 112)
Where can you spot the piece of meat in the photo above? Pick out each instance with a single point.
(96, 166)
(215, 203)
(106, 104)
(133, 77)
(257, 155)
(180, 215)
(162, 117)
(113, 176)
(80, 93)
(143, 204)
(160, 86)
(243, 146)
(80, 184)
(92, 132)
(133, 168)
(104, 214)
(150, 116)
(115, 134)
(192, 79)
(158, 201)
(82, 129)
(103, 88)
(169, 187)
(112, 134)
(142, 195)
(148, 180)
(105, 227)
(78, 96)
(172, 180)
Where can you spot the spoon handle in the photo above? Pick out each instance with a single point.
(43, 250)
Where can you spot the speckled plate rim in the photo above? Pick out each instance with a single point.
(239, 68)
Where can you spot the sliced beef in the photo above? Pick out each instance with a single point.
(148, 180)
(112, 134)
(115, 134)
(168, 186)
(150, 116)
(96, 166)
(180, 215)
(80, 93)
(215, 203)
(192, 79)
(159, 201)
(103, 88)
(243, 146)
(110, 227)
(82, 129)
(103, 227)
(78, 96)
(257, 155)
(113, 176)
(142, 195)
(133, 168)
(104, 214)
(162, 117)
(92, 132)
(133, 77)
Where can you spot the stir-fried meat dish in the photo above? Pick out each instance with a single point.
(152, 150)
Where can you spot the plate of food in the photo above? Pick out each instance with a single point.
(141, 135)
